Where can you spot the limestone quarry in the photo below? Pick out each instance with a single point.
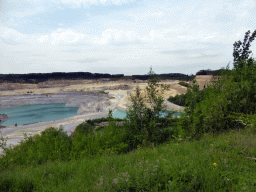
(93, 98)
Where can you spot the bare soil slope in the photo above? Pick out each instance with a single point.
(203, 80)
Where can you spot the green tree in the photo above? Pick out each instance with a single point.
(243, 54)
(145, 123)
(231, 96)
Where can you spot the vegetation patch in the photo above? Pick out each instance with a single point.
(214, 163)
(178, 99)
(103, 92)
(182, 83)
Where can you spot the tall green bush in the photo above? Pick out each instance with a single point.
(51, 145)
(88, 141)
(145, 124)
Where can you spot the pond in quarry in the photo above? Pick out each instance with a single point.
(36, 113)
(122, 114)
(27, 114)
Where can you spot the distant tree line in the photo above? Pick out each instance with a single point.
(209, 72)
(171, 76)
(34, 78)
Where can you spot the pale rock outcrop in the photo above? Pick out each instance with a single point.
(94, 106)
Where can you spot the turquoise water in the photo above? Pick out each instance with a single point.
(122, 114)
(119, 114)
(36, 113)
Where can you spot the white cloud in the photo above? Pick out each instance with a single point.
(67, 36)
(248, 3)
(116, 36)
(12, 36)
(97, 2)
(58, 37)
(158, 37)
(43, 38)
(154, 33)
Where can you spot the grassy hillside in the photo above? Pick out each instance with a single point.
(211, 147)
(219, 163)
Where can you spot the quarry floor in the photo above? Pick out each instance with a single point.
(73, 95)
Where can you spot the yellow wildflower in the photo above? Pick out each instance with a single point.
(214, 164)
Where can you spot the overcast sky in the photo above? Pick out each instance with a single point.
(122, 36)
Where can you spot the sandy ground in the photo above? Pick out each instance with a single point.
(203, 80)
(119, 99)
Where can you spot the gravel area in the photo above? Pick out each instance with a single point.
(72, 99)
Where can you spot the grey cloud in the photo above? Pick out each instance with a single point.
(174, 52)
(189, 53)
(2, 8)
(1, 5)
(39, 55)
(10, 41)
(225, 18)
(134, 42)
(72, 51)
(89, 60)
(22, 52)
(191, 68)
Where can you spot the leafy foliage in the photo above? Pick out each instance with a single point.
(178, 99)
(184, 84)
(143, 123)
(51, 145)
(185, 99)
(222, 105)
(99, 120)
(245, 51)
(89, 142)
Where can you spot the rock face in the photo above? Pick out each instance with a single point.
(3, 118)
(94, 106)
(72, 99)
